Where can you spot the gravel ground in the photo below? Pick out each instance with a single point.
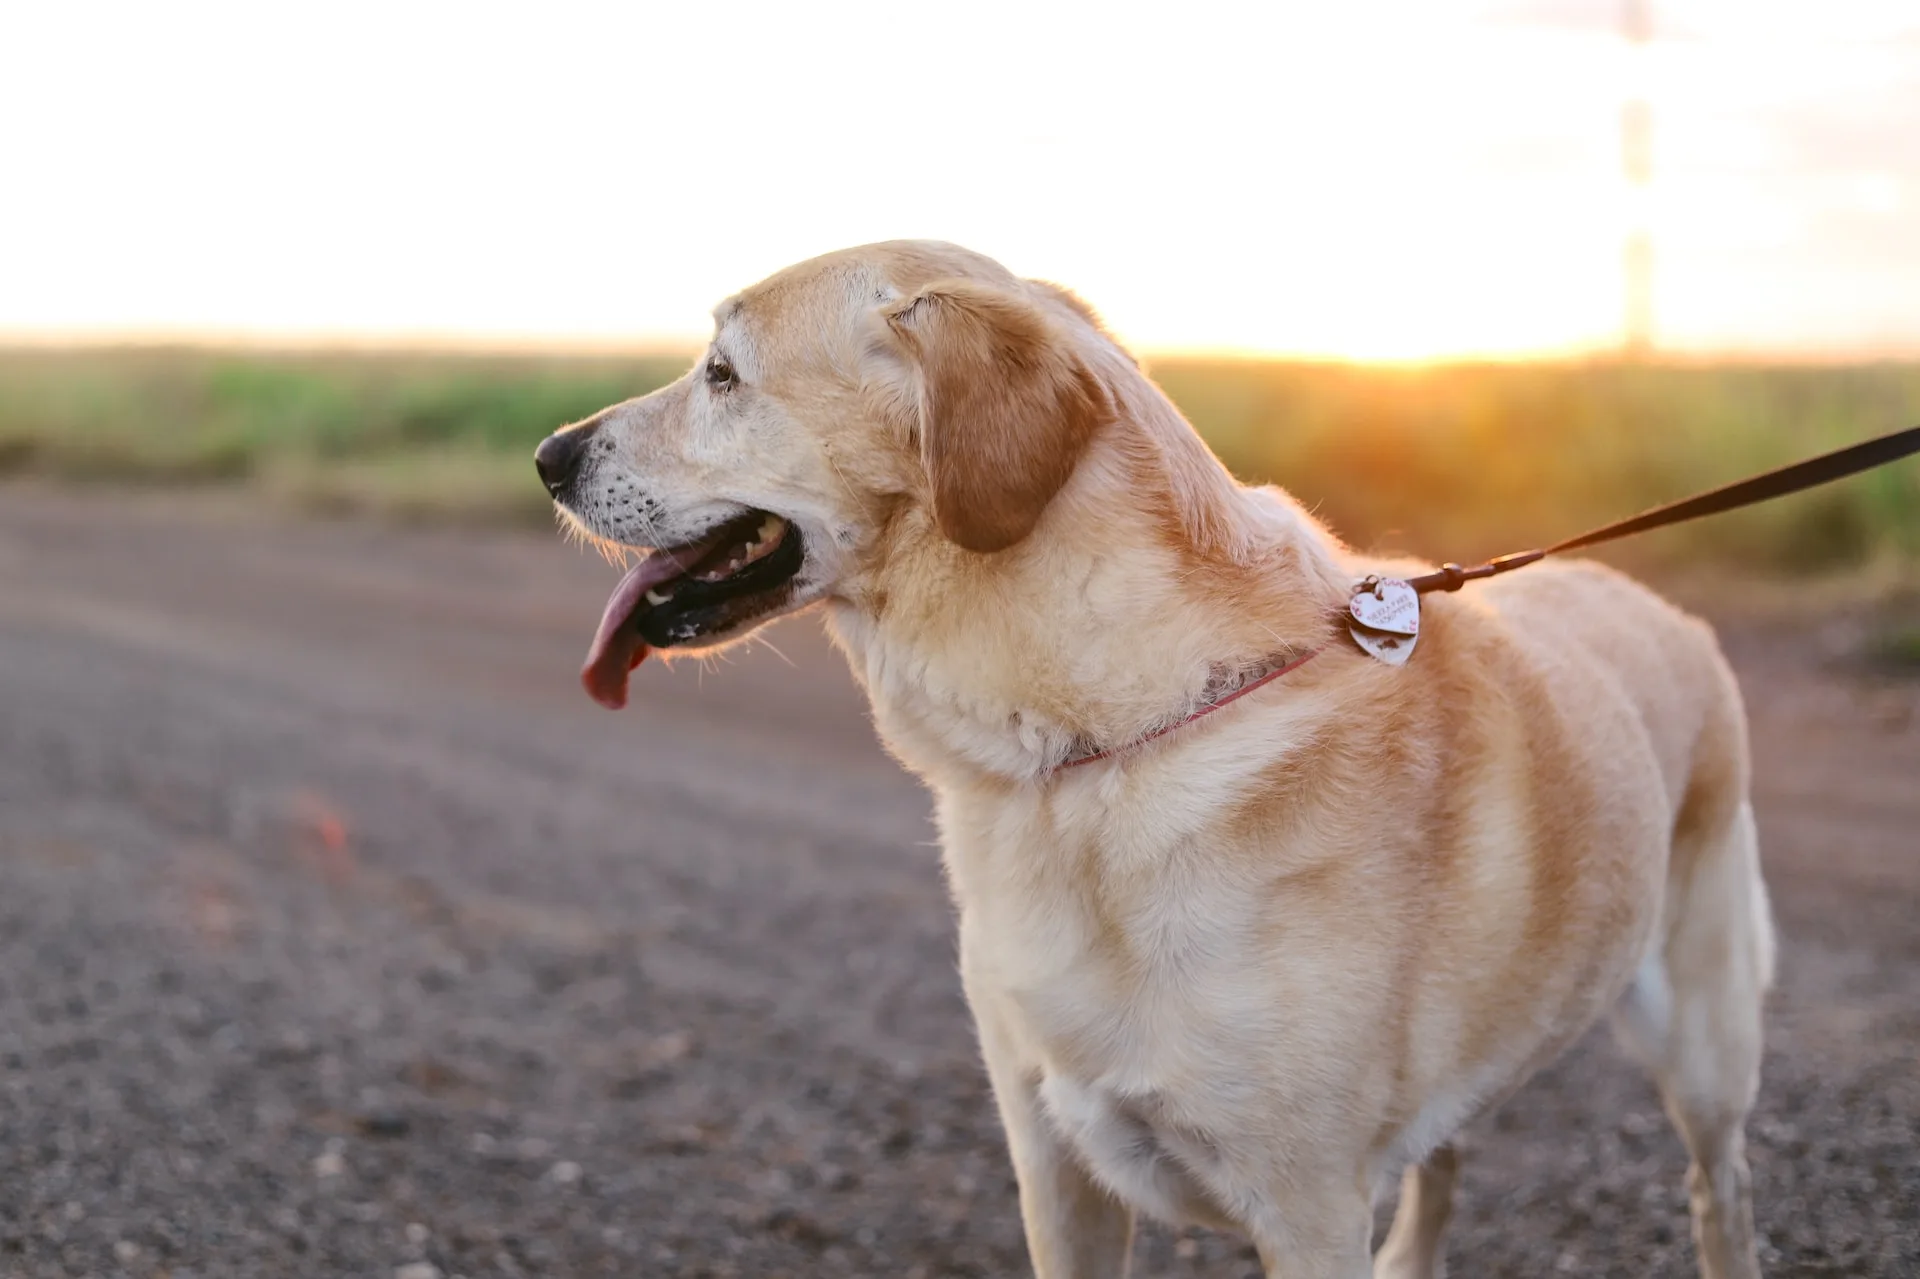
(340, 935)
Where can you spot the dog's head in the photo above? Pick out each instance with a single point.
(894, 391)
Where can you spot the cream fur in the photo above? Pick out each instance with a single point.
(1245, 972)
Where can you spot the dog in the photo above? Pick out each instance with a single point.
(1236, 968)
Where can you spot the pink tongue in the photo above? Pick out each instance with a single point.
(617, 646)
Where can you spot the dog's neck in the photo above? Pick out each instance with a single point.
(1151, 573)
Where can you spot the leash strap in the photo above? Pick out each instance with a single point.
(1777, 483)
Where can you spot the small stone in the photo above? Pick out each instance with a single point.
(416, 1233)
(331, 1163)
(683, 1140)
(666, 1049)
(126, 1250)
(417, 1270)
(800, 1228)
(565, 1173)
(1639, 1124)
(383, 1123)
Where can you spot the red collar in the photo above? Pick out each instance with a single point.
(1078, 757)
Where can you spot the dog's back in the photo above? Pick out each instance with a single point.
(1608, 642)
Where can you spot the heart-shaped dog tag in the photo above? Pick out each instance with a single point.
(1386, 604)
(1392, 649)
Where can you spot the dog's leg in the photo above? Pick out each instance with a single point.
(1414, 1246)
(1075, 1229)
(1327, 1240)
(1693, 1016)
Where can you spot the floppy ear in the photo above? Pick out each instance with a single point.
(1006, 408)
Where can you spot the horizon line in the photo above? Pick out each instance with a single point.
(663, 346)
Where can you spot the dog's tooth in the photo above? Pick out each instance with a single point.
(658, 597)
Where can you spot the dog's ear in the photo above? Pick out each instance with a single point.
(1006, 407)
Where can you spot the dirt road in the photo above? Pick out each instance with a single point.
(339, 933)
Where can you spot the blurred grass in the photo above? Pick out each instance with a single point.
(1895, 646)
(426, 435)
(1456, 462)
(1467, 461)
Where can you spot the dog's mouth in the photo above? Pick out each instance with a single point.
(701, 590)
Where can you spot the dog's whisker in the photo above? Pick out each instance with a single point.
(767, 643)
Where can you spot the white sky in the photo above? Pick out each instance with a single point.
(1428, 177)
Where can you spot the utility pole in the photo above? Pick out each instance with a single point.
(1636, 155)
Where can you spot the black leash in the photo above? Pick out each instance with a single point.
(1788, 479)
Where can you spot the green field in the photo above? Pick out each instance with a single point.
(1450, 461)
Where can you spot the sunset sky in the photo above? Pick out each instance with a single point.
(1386, 180)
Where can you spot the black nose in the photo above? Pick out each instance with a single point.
(558, 457)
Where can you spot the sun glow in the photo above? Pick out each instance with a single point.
(1399, 181)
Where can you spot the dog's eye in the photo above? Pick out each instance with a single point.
(720, 374)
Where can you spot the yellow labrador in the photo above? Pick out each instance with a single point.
(1236, 969)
